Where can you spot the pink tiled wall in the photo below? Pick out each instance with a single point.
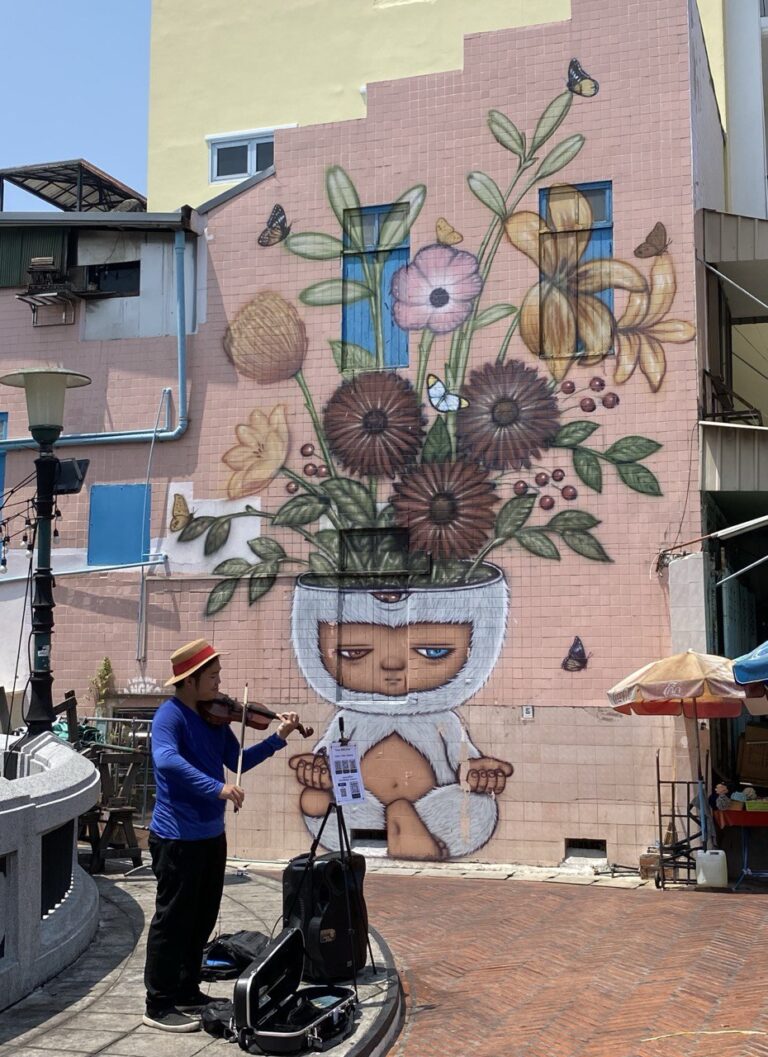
(578, 772)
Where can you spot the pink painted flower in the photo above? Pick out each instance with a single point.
(436, 290)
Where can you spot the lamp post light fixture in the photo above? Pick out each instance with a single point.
(45, 389)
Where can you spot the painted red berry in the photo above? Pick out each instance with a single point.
(307, 450)
(546, 502)
(310, 469)
(558, 475)
(542, 479)
(568, 387)
(597, 384)
(610, 400)
(569, 492)
(520, 488)
(322, 470)
(291, 488)
(587, 404)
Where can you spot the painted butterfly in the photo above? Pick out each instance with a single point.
(577, 658)
(656, 242)
(579, 82)
(277, 228)
(447, 235)
(440, 398)
(181, 515)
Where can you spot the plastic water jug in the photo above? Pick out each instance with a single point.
(711, 869)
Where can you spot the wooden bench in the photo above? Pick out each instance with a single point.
(108, 826)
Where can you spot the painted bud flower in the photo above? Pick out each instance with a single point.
(267, 340)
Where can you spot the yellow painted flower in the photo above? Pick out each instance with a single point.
(262, 448)
(560, 318)
(642, 328)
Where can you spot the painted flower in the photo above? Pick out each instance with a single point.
(262, 448)
(512, 414)
(560, 318)
(436, 290)
(447, 508)
(374, 424)
(642, 328)
(267, 340)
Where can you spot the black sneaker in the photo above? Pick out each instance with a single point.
(197, 1002)
(171, 1019)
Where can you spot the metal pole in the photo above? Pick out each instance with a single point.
(40, 716)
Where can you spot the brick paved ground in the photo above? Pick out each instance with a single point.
(517, 969)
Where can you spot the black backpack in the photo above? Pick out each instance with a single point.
(225, 957)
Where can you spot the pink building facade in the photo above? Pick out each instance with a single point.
(442, 380)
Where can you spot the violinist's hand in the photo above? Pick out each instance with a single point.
(234, 793)
(289, 722)
(311, 770)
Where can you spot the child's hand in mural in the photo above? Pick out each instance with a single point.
(313, 773)
(485, 775)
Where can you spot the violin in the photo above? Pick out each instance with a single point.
(224, 709)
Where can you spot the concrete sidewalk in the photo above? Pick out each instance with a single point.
(96, 1005)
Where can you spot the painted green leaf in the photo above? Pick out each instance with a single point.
(493, 315)
(537, 542)
(219, 596)
(232, 567)
(346, 205)
(513, 515)
(630, 449)
(437, 445)
(196, 527)
(587, 466)
(319, 564)
(300, 510)
(314, 245)
(399, 221)
(485, 189)
(639, 478)
(218, 535)
(585, 544)
(506, 133)
(560, 156)
(572, 521)
(334, 292)
(447, 570)
(551, 120)
(258, 586)
(267, 549)
(328, 539)
(265, 569)
(350, 357)
(386, 516)
(353, 501)
(573, 433)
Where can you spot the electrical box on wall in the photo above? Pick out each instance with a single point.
(526, 712)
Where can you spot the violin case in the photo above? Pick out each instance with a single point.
(273, 1014)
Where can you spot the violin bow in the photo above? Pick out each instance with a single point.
(242, 738)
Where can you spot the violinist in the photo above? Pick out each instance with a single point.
(187, 841)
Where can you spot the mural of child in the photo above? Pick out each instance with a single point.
(397, 664)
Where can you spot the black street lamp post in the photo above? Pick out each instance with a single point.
(45, 389)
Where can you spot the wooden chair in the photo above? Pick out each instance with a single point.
(108, 826)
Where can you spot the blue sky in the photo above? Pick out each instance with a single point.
(74, 83)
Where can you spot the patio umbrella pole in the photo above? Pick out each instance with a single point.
(703, 820)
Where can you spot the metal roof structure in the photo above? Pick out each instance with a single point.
(74, 186)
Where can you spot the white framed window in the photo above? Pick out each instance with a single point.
(237, 155)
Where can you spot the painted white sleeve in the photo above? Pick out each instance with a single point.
(458, 744)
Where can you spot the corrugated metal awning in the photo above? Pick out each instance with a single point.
(75, 185)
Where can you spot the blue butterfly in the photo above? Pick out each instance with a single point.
(440, 398)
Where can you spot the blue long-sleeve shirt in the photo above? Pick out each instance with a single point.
(189, 755)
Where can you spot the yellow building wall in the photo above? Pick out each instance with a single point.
(220, 67)
(711, 15)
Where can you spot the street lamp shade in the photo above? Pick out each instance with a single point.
(45, 388)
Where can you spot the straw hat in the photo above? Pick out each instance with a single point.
(187, 659)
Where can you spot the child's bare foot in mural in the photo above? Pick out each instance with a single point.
(485, 775)
(408, 837)
(312, 772)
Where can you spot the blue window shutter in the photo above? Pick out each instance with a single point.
(118, 523)
(3, 436)
(395, 339)
(356, 318)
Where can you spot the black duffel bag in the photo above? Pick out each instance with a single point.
(225, 957)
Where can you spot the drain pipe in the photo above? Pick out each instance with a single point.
(134, 436)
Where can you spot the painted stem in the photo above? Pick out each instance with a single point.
(378, 320)
(310, 406)
(508, 338)
(496, 542)
(315, 491)
(425, 346)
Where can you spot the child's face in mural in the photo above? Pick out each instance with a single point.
(374, 659)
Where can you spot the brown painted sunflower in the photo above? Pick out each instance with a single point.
(447, 508)
(374, 424)
(512, 414)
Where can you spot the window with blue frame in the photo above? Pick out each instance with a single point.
(118, 524)
(368, 323)
(567, 218)
(3, 436)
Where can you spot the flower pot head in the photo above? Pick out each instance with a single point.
(417, 650)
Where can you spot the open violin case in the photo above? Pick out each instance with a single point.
(273, 1014)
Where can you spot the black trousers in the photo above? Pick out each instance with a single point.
(190, 881)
